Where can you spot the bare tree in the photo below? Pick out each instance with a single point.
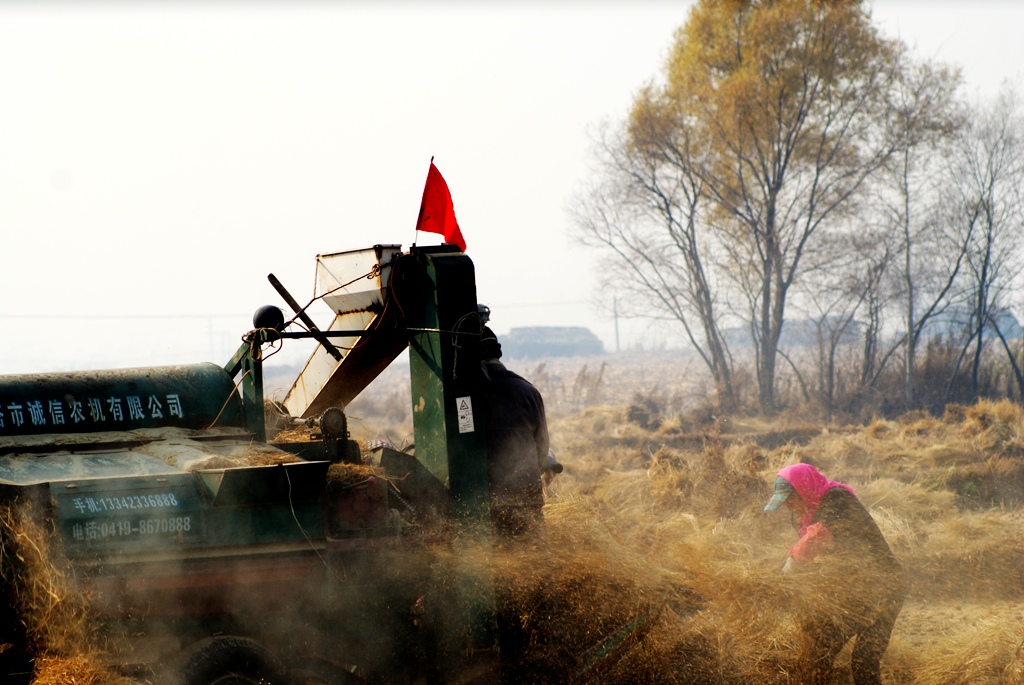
(835, 298)
(926, 258)
(648, 214)
(987, 177)
(874, 255)
(772, 111)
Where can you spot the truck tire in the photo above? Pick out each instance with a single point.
(230, 660)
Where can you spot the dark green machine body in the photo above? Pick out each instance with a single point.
(444, 368)
(99, 439)
(148, 460)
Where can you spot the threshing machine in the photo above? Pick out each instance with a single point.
(214, 557)
(223, 558)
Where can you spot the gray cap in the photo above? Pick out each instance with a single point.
(782, 492)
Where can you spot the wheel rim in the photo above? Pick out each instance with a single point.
(236, 679)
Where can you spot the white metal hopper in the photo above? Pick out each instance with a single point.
(354, 285)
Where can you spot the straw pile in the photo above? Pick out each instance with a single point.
(53, 613)
(656, 531)
(683, 528)
(647, 530)
(346, 474)
(75, 669)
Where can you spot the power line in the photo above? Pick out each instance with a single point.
(521, 305)
(123, 316)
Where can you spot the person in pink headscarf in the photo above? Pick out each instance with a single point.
(861, 570)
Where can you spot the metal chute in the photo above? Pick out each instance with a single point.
(355, 285)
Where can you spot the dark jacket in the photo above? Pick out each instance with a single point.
(859, 591)
(517, 437)
(865, 575)
(854, 532)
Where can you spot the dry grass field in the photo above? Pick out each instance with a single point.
(668, 514)
(684, 517)
(657, 523)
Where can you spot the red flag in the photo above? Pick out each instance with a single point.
(437, 213)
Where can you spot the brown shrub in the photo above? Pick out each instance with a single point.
(671, 478)
(944, 455)
(968, 555)
(848, 453)
(913, 502)
(987, 414)
(998, 481)
(954, 413)
(1013, 674)
(916, 425)
(879, 429)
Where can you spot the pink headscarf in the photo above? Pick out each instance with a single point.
(810, 485)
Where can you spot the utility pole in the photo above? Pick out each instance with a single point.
(615, 313)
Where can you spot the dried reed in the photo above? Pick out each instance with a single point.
(978, 654)
(52, 610)
(642, 529)
(687, 524)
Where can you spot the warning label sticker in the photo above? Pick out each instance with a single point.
(465, 411)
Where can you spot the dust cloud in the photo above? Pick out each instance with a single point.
(657, 563)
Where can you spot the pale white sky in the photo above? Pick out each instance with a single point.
(157, 161)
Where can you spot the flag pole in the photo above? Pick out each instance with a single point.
(419, 216)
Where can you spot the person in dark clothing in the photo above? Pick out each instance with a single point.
(517, 443)
(517, 455)
(864, 581)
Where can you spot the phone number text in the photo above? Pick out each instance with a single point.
(96, 505)
(100, 530)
